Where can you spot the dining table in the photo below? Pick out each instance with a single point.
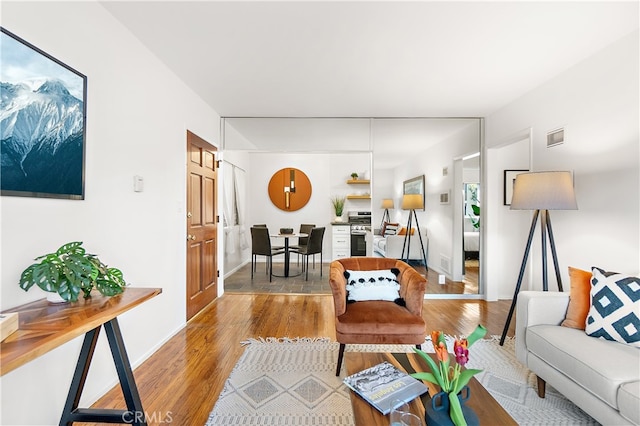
(287, 254)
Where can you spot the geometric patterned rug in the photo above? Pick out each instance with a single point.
(282, 381)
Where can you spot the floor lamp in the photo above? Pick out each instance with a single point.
(412, 202)
(387, 203)
(541, 192)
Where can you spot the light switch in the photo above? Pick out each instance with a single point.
(138, 183)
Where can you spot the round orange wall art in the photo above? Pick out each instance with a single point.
(289, 189)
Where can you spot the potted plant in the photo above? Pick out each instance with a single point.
(354, 175)
(452, 379)
(338, 206)
(71, 270)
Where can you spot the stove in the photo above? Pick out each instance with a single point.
(359, 221)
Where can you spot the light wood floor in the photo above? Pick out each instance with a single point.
(184, 377)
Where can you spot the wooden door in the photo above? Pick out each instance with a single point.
(202, 224)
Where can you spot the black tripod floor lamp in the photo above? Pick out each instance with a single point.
(412, 202)
(387, 203)
(541, 192)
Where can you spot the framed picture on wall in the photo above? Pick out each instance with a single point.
(43, 120)
(509, 180)
(414, 186)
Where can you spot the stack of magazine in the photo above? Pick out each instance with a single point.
(381, 384)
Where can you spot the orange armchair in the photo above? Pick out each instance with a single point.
(377, 321)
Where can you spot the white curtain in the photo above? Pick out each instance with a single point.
(229, 191)
(241, 196)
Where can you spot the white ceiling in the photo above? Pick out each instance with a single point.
(392, 140)
(367, 59)
(370, 59)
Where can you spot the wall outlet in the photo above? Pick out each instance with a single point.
(441, 279)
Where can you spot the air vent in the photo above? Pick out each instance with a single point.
(444, 197)
(555, 137)
(444, 263)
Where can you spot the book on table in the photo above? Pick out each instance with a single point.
(382, 384)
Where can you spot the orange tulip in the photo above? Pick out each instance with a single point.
(441, 352)
(434, 338)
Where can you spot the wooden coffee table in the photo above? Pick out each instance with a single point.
(488, 410)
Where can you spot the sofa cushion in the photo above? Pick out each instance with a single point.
(389, 228)
(381, 284)
(597, 365)
(629, 401)
(379, 317)
(615, 307)
(379, 243)
(579, 299)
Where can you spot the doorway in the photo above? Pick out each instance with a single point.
(202, 224)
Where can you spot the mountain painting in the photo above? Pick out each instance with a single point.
(42, 123)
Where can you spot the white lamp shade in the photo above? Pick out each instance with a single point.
(544, 191)
(412, 202)
(387, 203)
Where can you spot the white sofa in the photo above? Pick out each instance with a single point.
(601, 377)
(391, 245)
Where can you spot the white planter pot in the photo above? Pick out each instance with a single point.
(54, 298)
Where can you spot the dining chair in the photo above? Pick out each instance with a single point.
(305, 228)
(264, 225)
(261, 246)
(313, 247)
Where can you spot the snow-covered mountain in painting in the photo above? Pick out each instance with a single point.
(41, 132)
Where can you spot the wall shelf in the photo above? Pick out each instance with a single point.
(358, 181)
(358, 197)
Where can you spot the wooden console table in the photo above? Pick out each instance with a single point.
(44, 326)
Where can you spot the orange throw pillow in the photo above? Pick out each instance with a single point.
(579, 299)
(403, 231)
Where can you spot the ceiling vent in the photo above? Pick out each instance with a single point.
(555, 137)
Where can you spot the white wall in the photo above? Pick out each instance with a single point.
(437, 218)
(382, 183)
(512, 226)
(597, 102)
(138, 114)
(328, 174)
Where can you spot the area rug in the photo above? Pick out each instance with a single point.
(282, 381)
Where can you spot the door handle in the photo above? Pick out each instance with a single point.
(191, 237)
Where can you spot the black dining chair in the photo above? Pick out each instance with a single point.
(305, 228)
(261, 246)
(264, 225)
(313, 247)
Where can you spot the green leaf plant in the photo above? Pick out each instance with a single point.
(475, 220)
(451, 378)
(70, 271)
(338, 204)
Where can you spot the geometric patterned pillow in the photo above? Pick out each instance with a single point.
(615, 307)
